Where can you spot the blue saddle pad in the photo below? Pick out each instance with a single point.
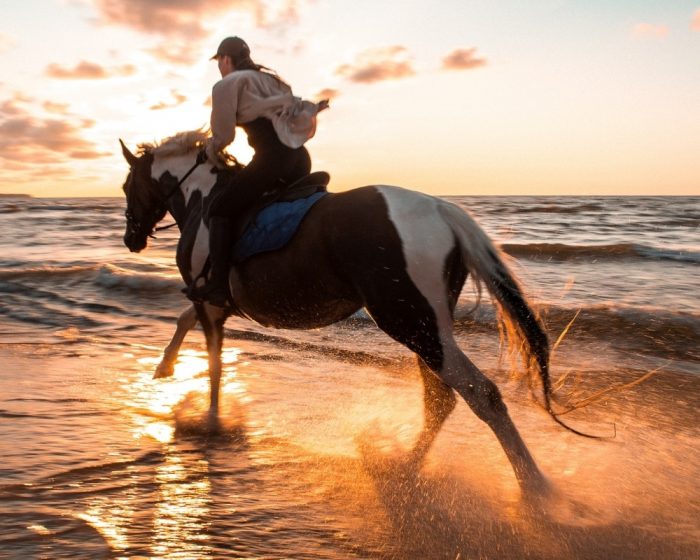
(273, 227)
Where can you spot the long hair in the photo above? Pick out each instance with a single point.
(243, 61)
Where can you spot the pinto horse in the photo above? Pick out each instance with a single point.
(403, 256)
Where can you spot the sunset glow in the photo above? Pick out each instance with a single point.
(547, 97)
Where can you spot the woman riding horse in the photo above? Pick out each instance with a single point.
(277, 124)
(403, 256)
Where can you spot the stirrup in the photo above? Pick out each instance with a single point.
(214, 295)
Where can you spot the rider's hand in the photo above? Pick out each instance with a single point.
(213, 156)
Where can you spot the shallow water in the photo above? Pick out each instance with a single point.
(101, 461)
(115, 464)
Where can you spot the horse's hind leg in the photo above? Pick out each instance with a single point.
(185, 323)
(485, 400)
(427, 330)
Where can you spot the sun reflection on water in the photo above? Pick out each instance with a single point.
(179, 505)
(155, 402)
(182, 508)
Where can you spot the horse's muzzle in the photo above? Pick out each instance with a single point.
(134, 243)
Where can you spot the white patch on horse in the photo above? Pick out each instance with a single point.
(200, 250)
(201, 179)
(427, 241)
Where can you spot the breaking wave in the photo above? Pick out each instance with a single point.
(563, 252)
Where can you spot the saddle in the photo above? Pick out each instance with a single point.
(306, 186)
(271, 224)
(301, 188)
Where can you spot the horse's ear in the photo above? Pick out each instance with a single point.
(130, 158)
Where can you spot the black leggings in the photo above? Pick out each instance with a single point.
(274, 166)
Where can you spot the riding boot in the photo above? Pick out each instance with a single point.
(216, 289)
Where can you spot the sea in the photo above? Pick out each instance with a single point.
(100, 460)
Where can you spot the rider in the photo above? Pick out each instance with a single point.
(277, 124)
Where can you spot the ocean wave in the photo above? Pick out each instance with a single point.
(48, 271)
(564, 252)
(92, 301)
(110, 276)
(557, 209)
(33, 205)
(44, 309)
(690, 222)
(640, 329)
(649, 329)
(103, 275)
(8, 414)
(680, 330)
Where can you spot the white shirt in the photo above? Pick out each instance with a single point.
(245, 95)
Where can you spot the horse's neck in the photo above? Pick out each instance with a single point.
(187, 207)
(196, 185)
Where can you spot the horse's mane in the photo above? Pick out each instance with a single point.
(178, 144)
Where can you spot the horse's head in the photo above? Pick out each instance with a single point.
(145, 204)
(160, 172)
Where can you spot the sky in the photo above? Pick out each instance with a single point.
(449, 97)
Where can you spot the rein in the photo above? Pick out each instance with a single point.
(201, 158)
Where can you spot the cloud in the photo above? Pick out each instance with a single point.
(649, 30)
(288, 15)
(695, 22)
(169, 18)
(178, 53)
(462, 59)
(57, 108)
(13, 107)
(327, 93)
(376, 65)
(28, 139)
(186, 18)
(177, 99)
(183, 26)
(87, 71)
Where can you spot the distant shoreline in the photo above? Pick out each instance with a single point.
(15, 195)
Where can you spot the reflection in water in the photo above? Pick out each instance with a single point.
(180, 524)
(177, 495)
(107, 518)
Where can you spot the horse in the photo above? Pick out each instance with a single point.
(400, 255)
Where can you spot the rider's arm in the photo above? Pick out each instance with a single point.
(224, 106)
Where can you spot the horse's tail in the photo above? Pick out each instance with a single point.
(517, 320)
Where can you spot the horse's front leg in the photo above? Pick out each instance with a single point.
(212, 319)
(185, 323)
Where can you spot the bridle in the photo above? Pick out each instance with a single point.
(201, 158)
(133, 226)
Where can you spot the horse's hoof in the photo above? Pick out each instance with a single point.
(164, 369)
(546, 500)
(213, 424)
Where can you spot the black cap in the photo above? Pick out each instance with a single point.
(235, 47)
